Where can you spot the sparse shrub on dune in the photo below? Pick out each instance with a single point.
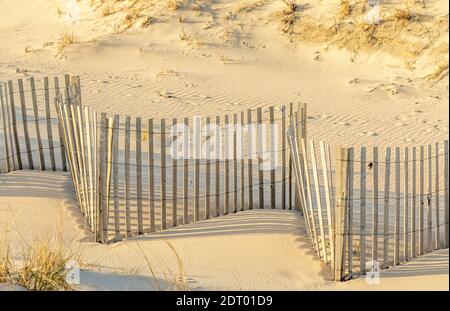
(66, 39)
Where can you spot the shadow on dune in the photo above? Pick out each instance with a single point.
(38, 184)
(435, 263)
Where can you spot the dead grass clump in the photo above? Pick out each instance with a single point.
(173, 5)
(147, 21)
(39, 269)
(344, 10)
(289, 16)
(108, 9)
(44, 269)
(5, 261)
(440, 72)
(402, 15)
(66, 39)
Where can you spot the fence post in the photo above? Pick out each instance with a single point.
(4, 128)
(341, 211)
(105, 175)
(446, 203)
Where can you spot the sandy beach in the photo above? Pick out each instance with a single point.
(174, 59)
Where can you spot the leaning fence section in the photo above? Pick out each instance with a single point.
(371, 209)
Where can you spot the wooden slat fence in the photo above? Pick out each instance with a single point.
(353, 226)
(29, 130)
(135, 176)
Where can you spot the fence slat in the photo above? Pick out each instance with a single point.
(116, 162)
(107, 191)
(437, 237)
(429, 202)
(226, 146)
(208, 169)
(77, 155)
(351, 170)
(298, 171)
(197, 150)
(241, 153)
(406, 206)
(362, 212)
(318, 198)
(250, 158)
(283, 157)
(341, 208)
(61, 142)
(139, 176)
(310, 202)
(90, 168)
(69, 139)
(290, 179)
(387, 187)
(163, 175)
(397, 207)
(10, 131)
(82, 142)
(414, 201)
(446, 194)
(272, 156)
(5, 128)
(25, 125)
(186, 172)
(421, 201)
(151, 175)
(235, 165)
(49, 124)
(326, 181)
(14, 124)
(36, 122)
(260, 158)
(127, 176)
(375, 205)
(174, 173)
(217, 146)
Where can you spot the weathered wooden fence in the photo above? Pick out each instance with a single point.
(134, 177)
(29, 130)
(365, 211)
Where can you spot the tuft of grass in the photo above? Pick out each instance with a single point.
(402, 15)
(173, 5)
(345, 10)
(5, 261)
(289, 16)
(66, 39)
(42, 268)
(108, 9)
(147, 21)
(173, 281)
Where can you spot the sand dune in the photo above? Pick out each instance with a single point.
(253, 250)
(214, 57)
